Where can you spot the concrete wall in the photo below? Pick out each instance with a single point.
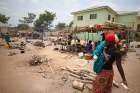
(102, 16)
(137, 22)
(128, 20)
(112, 16)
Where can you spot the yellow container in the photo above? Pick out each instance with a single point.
(7, 46)
(88, 57)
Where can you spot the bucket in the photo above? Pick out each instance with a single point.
(81, 54)
(7, 46)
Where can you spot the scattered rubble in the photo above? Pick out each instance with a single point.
(37, 60)
(131, 50)
(39, 44)
(78, 85)
(82, 77)
(11, 53)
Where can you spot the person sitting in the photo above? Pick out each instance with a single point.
(89, 47)
(78, 46)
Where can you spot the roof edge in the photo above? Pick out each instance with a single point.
(129, 13)
(92, 8)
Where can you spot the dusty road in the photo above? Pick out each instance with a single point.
(16, 76)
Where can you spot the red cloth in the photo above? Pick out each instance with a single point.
(112, 37)
(103, 82)
(99, 26)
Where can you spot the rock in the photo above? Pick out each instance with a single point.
(65, 77)
(11, 53)
(78, 85)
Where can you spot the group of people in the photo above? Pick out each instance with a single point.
(76, 45)
(110, 47)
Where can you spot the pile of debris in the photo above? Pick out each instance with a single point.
(39, 44)
(82, 78)
(37, 60)
(11, 53)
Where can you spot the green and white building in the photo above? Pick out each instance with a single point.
(99, 15)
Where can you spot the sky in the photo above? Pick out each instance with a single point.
(16, 9)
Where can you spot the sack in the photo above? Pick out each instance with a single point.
(100, 57)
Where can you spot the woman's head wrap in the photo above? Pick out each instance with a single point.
(112, 37)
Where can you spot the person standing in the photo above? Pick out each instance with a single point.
(104, 79)
(7, 39)
(89, 47)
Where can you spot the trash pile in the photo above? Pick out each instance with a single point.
(37, 60)
(39, 44)
(11, 53)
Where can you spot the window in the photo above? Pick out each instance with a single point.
(113, 19)
(109, 17)
(93, 16)
(80, 18)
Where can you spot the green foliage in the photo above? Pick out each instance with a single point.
(29, 19)
(60, 26)
(4, 18)
(70, 24)
(44, 21)
(23, 26)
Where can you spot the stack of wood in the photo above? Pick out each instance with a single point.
(81, 74)
(114, 25)
(84, 76)
(86, 29)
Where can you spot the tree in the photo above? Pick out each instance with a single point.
(4, 18)
(25, 21)
(29, 19)
(70, 24)
(44, 21)
(60, 26)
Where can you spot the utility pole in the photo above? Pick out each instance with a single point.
(43, 27)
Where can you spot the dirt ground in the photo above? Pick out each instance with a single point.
(16, 76)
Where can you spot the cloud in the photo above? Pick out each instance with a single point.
(4, 8)
(31, 1)
(36, 1)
